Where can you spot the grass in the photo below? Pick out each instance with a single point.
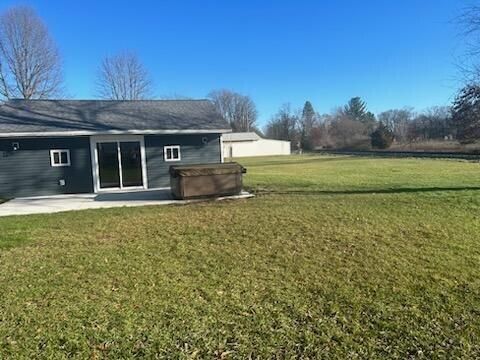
(351, 174)
(337, 257)
(437, 145)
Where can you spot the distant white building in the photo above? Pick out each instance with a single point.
(250, 144)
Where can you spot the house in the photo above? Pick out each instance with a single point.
(83, 146)
(250, 144)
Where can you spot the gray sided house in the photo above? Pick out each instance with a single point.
(52, 147)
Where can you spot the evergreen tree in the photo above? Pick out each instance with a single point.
(466, 113)
(308, 113)
(382, 137)
(307, 123)
(356, 110)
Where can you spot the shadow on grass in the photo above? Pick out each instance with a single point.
(149, 195)
(365, 191)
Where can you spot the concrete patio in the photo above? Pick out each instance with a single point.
(60, 203)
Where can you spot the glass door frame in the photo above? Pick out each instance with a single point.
(94, 140)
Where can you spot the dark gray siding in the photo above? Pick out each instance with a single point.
(27, 172)
(192, 150)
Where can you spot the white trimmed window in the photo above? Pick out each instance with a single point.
(172, 153)
(59, 158)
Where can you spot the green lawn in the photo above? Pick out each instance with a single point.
(337, 257)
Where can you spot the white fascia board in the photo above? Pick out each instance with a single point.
(112, 132)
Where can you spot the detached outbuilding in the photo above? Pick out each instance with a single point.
(52, 147)
(246, 144)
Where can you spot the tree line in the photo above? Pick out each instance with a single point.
(353, 126)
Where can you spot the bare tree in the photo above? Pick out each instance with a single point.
(397, 121)
(239, 110)
(284, 125)
(469, 22)
(348, 133)
(469, 28)
(320, 133)
(432, 124)
(123, 77)
(30, 64)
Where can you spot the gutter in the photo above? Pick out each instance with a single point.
(113, 132)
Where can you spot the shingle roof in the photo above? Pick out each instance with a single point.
(104, 116)
(241, 136)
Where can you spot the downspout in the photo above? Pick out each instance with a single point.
(222, 155)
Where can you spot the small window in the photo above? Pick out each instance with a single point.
(60, 158)
(172, 153)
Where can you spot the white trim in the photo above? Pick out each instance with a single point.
(171, 147)
(59, 152)
(143, 154)
(222, 155)
(119, 158)
(94, 158)
(117, 139)
(112, 132)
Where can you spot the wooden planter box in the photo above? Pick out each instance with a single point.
(206, 180)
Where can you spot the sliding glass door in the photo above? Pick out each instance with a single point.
(119, 164)
(108, 169)
(131, 160)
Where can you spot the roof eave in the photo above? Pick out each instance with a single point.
(240, 140)
(114, 132)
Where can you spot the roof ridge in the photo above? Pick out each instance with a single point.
(106, 100)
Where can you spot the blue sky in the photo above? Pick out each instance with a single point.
(391, 53)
